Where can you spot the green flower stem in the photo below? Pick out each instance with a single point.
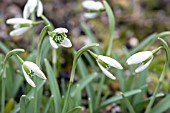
(19, 58)
(110, 44)
(111, 26)
(42, 37)
(90, 105)
(156, 50)
(167, 50)
(47, 22)
(78, 54)
(93, 54)
(38, 61)
(99, 91)
(54, 52)
(33, 30)
(9, 54)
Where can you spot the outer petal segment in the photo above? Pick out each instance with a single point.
(32, 66)
(143, 66)
(52, 42)
(110, 61)
(39, 9)
(61, 30)
(139, 57)
(66, 43)
(19, 31)
(106, 72)
(28, 78)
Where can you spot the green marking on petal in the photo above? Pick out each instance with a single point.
(29, 72)
(105, 65)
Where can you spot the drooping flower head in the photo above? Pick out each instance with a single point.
(32, 5)
(20, 25)
(143, 58)
(105, 63)
(59, 37)
(93, 8)
(29, 69)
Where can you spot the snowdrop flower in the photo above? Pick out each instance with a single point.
(90, 15)
(29, 68)
(93, 6)
(105, 63)
(21, 25)
(144, 58)
(59, 37)
(30, 6)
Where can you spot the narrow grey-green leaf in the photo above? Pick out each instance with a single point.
(83, 83)
(76, 110)
(162, 106)
(53, 87)
(119, 97)
(129, 105)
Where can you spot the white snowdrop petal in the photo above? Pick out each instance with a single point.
(61, 30)
(19, 31)
(66, 42)
(18, 21)
(39, 9)
(90, 15)
(106, 72)
(16, 26)
(32, 66)
(26, 12)
(143, 66)
(28, 78)
(92, 5)
(32, 5)
(53, 43)
(40, 74)
(139, 57)
(110, 61)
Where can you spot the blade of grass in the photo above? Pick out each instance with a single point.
(90, 35)
(129, 106)
(90, 109)
(48, 104)
(82, 70)
(166, 65)
(83, 83)
(143, 43)
(119, 97)
(143, 103)
(111, 26)
(76, 110)
(162, 106)
(53, 87)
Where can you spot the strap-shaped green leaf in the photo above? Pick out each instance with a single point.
(53, 87)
